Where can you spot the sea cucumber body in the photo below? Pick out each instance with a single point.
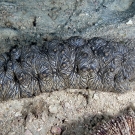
(60, 64)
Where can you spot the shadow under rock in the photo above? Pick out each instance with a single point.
(84, 125)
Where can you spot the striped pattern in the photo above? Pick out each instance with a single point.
(60, 64)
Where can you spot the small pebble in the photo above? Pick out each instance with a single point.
(56, 130)
(129, 22)
(27, 132)
(95, 96)
(17, 114)
(53, 109)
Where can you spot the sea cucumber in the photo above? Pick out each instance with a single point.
(60, 64)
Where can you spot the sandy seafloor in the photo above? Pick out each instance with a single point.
(75, 112)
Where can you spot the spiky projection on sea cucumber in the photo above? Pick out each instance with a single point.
(60, 64)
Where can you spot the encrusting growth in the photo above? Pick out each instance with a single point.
(120, 125)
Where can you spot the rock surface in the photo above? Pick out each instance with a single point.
(76, 111)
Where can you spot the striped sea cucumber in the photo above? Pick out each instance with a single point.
(60, 64)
